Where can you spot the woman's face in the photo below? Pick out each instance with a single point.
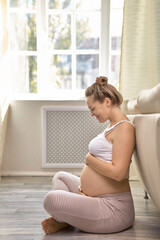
(98, 109)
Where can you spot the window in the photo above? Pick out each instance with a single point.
(116, 19)
(65, 44)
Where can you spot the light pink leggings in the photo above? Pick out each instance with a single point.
(103, 214)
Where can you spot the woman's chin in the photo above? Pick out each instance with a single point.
(100, 120)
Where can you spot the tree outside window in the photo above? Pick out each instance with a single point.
(72, 47)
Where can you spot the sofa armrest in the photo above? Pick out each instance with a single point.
(146, 157)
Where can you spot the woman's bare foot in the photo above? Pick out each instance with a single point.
(50, 225)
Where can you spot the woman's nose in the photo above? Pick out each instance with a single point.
(92, 114)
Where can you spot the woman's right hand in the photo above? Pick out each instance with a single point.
(81, 191)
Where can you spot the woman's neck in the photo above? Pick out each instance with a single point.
(116, 115)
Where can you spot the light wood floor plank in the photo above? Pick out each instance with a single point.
(21, 212)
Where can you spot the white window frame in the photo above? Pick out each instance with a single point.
(105, 39)
(42, 52)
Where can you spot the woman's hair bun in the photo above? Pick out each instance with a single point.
(102, 81)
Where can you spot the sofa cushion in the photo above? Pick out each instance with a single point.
(132, 106)
(149, 100)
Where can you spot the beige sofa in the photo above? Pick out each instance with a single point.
(146, 157)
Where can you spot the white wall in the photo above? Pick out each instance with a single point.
(23, 144)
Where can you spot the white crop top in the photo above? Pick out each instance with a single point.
(101, 148)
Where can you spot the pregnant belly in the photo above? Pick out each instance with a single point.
(94, 184)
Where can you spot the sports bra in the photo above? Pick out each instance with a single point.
(101, 148)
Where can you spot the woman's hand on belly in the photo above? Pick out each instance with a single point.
(88, 157)
(81, 191)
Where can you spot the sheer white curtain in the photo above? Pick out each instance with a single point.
(7, 74)
(140, 55)
(3, 74)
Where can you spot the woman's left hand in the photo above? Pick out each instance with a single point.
(88, 158)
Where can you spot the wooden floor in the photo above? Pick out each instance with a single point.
(21, 213)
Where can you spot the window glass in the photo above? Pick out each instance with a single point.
(60, 72)
(115, 67)
(23, 3)
(24, 31)
(59, 33)
(116, 43)
(87, 30)
(117, 4)
(59, 4)
(27, 74)
(116, 19)
(89, 4)
(87, 69)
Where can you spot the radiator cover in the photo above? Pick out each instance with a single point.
(66, 133)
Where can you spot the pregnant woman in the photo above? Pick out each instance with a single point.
(100, 200)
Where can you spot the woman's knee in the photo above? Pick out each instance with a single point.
(47, 201)
(59, 175)
(52, 201)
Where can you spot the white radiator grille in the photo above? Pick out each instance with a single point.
(66, 135)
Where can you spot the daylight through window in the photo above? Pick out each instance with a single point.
(60, 44)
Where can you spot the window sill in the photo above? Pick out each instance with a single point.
(48, 97)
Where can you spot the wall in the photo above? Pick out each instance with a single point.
(23, 145)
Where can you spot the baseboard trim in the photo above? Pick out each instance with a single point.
(45, 174)
(32, 173)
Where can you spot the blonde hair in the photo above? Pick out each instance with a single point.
(101, 89)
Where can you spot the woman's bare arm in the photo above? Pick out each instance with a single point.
(123, 145)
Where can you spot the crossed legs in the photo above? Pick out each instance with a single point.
(66, 182)
(66, 206)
